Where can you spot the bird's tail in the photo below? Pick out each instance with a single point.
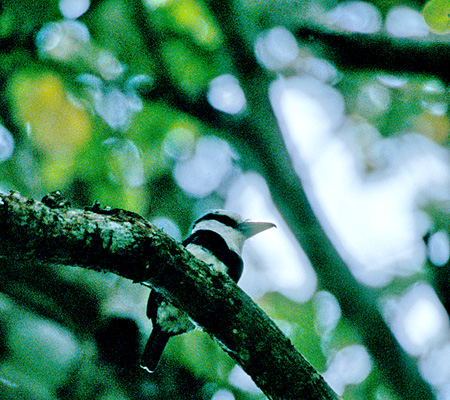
(154, 349)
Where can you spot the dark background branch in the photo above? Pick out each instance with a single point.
(358, 51)
(257, 136)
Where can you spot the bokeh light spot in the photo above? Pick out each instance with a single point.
(355, 16)
(203, 173)
(6, 144)
(328, 312)
(73, 9)
(61, 40)
(405, 22)
(418, 319)
(124, 162)
(276, 48)
(439, 248)
(350, 365)
(226, 95)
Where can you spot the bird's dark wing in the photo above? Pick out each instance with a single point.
(158, 338)
(154, 300)
(154, 348)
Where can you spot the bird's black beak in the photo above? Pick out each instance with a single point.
(249, 229)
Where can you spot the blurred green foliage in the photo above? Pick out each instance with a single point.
(60, 144)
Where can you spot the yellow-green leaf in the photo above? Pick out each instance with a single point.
(436, 14)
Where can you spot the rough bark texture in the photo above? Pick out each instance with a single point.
(126, 244)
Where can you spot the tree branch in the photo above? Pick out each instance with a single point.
(126, 244)
(370, 52)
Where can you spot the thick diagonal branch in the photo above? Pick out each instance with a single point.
(124, 243)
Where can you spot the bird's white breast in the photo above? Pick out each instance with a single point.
(204, 255)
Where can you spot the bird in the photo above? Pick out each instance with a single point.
(217, 239)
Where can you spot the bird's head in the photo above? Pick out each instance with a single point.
(231, 227)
